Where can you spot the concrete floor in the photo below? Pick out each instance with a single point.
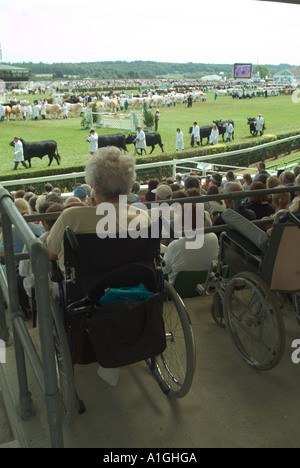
(229, 404)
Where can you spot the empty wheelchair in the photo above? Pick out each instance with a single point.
(157, 329)
(263, 278)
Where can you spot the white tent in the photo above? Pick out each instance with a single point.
(211, 78)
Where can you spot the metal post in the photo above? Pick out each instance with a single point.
(26, 408)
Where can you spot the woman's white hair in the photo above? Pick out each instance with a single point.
(111, 172)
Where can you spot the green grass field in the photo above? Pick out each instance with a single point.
(280, 115)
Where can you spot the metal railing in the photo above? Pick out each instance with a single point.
(43, 368)
(175, 163)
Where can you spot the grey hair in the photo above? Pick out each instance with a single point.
(111, 172)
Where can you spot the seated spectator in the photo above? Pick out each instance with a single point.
(280, 201)
(19, 194)
(73, 201)
(294, 207)
(178, 179)
(191, 182)
(260, 204)
(81, 193)
(288, 178)
(247, 179)
(110, 173)
(175, 187)
(230, 177)
(216, 179)
(48, 187)
(263, 177)
(152, 184)
(28, 195)
(297, 183)
(242, 210)
(178, 258)
(18, 244)
(272, 182)
(261, 167)
(215, 206)
(162, 192)
(296, 170)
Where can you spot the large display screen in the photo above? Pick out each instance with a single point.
(242, 70)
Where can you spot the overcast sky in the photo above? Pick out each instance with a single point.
(217, 31)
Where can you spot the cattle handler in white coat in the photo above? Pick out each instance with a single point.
(140, 141)
(19, 153)
(259, 125)
(92, 139)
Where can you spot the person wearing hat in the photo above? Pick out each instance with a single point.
(92, 139)
(19, 153)
(162, 192)
(140, 141)
(80, 192)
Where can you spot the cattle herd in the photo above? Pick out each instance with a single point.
(55, 108)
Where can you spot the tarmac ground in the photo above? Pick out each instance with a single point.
(229, 405)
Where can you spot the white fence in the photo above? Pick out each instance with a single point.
(207, 163)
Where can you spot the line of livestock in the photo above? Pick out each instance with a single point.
(120, 140)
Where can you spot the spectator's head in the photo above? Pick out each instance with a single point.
(152, 184)
(261, 166)
(19, 194)
(178, 177)
(295, 205)
(30, 188)
(23, 206)
(272, 182)
(163, 192)
(50, 207)
(258, 198)
(231, 187)
(287, 178)
(28, 195)
(281, 201)
(297, 183)
(263, 177)
(296, 170)
(179, 194)
(247, 179)
(80, 192)
(230, 176)
(48, 187)
(212, 190)
(110, 173)
(191, 182)
(216, 179)
(32, 203)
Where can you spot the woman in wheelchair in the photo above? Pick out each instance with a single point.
(110, 173)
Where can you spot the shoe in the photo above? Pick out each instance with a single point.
(110, 375)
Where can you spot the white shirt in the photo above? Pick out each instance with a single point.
(19, 154)
(93, 140)
(196, 133)
(140, 141)
(229, 130)
(179, 141)
(214, 137)
(179, 258)
(259, 124)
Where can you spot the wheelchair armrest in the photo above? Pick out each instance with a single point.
(56, 274)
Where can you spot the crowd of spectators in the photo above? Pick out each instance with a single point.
(110, 174)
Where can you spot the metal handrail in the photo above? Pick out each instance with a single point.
(45, 369)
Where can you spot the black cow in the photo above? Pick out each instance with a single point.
(205, 132)
(152, 139)
(40, 149)
(115, 139)
(221, 124)
(251, 123)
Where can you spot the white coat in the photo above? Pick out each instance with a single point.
(36, 110)
(259, 124)
(19, 153)
(179, 141)
(229, 130)
(214, 137)
(140, 141)
(196, 133)
(93, 140)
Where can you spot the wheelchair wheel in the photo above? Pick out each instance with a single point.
(64, 366)
(217, 310)
(253, 321)
(176, 365)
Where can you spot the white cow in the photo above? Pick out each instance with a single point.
(53, 110)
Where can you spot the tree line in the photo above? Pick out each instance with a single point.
(137, 69)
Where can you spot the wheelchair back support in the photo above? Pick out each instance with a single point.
(124, 332)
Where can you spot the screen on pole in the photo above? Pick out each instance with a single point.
(242, 70)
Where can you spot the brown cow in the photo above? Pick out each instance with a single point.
(53, 110)
(16, 111)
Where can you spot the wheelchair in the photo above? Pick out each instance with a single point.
(262, 280)
(156, 330)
